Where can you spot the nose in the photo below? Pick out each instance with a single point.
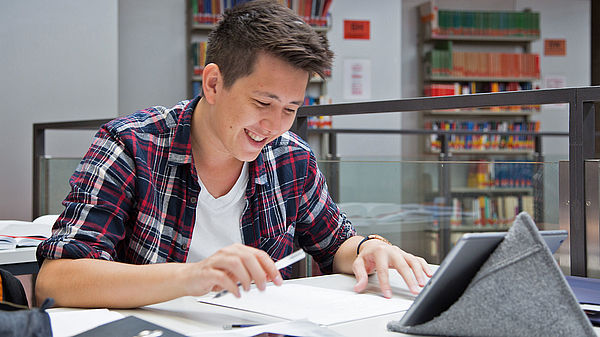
(271, 120)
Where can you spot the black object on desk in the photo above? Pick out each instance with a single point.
(130, 326)
(587, 291)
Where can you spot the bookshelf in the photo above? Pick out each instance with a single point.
(466, 52)
(202, 16)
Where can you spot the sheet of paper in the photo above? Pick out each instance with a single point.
(71, 322)
(25, 228)
(294, 328)
(318, 305)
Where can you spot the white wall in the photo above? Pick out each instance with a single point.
(152, 54)
(383, 49)
(58, 62)
(568, 20)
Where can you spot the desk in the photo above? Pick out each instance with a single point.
(187, 316)
(19, 261)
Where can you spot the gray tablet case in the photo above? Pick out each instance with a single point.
(518, 291)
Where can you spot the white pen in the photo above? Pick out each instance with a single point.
(284, 262)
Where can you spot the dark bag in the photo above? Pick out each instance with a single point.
(11, 289)
(16, 319)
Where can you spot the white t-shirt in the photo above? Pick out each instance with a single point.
(218, 220)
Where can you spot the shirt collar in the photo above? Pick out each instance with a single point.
(181, 148)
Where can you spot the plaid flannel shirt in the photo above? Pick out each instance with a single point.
(133, 196)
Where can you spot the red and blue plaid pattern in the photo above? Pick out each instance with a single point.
(133, 196)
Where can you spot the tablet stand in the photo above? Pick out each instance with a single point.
(518, 291)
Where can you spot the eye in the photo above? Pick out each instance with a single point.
(261, 103)
(290, 111)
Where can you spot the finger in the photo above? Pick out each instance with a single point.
(235, 266)
(270, 269)
(360, 273)
(382, 269)
(426, 267)
(258, 266)
(221, 279)
(417, 268)
(401, 265)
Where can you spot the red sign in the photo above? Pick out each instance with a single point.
(354, 29)
(555, 47)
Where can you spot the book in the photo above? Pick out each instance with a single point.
(16, 233)
(129, 326)
(10, 242)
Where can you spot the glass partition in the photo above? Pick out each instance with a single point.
(54, 182)
(410, 202)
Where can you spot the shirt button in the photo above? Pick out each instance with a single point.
(184, 246)
(193, 200)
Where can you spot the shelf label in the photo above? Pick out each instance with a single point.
(555, 47)
(360, 30)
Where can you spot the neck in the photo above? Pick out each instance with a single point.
(217, 169)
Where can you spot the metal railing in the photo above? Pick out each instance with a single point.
(581, 140)
(581, 106)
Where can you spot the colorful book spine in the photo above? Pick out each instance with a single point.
(198, 50)
(477, 142)
(445, 22)
(441, 63)
(314, 12)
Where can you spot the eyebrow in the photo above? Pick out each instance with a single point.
(275, 97)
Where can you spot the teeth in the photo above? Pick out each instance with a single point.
(254, 136)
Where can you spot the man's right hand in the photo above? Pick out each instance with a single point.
(231, 267)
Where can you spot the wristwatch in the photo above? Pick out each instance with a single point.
(371, 237)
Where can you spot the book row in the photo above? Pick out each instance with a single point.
(314, 12)
(198, 50)
(482, 142)
(501, 174)
(481, 64)
(484, 211)
(465, 88)
(443, 22)
(472, 87)
(318, 122)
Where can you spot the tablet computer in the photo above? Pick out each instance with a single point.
(458, 269)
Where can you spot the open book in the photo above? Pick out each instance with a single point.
(16, 233)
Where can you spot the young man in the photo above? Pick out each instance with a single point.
(217, 182)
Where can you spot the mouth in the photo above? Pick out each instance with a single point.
(255, 137)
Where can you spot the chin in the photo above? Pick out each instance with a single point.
(248, 157)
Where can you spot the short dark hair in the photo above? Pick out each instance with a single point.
(265, 26)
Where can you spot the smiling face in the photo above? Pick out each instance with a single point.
(237, 122)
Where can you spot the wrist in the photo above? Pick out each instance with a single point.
(371, 237)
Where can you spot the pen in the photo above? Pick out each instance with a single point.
(233, 326)
(284, 262)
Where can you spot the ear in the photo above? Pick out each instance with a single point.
(212, 82)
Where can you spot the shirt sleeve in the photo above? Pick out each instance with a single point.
(98, 206)
(322, 227)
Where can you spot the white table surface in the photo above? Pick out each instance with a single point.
(17, 255)
(188, 316)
